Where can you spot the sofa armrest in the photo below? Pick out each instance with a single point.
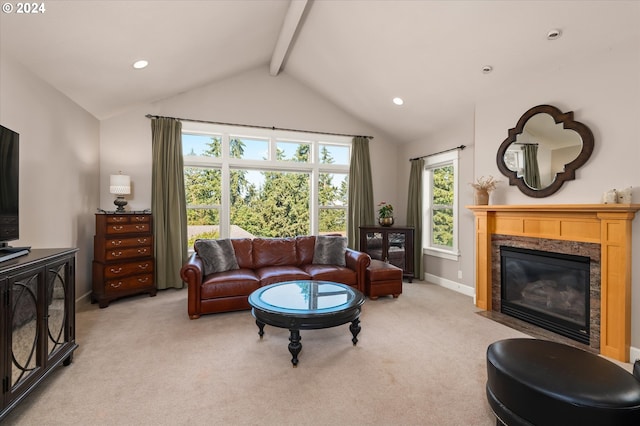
(191, 273)
(358, 262)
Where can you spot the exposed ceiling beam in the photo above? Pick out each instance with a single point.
(290, 26)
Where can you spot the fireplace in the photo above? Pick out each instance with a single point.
(609, 226)
(547, 289)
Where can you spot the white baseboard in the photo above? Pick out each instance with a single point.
(451, 285)
(84, 298)
(634, 353)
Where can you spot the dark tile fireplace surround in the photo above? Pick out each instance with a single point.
(588, 250)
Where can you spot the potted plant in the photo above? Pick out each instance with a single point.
(385, 214)
(483, 186)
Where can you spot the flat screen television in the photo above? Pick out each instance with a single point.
(9, 180)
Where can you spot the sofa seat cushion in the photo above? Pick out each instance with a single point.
(237, 282)
(338, 274)
(277, 274)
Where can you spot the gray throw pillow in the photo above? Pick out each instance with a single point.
(330, 250)
(216, 255)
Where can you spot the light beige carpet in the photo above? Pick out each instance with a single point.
(420, 360)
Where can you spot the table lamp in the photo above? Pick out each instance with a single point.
(120, 185)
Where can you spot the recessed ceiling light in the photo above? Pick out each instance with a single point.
(487, 69)
(140, 64)
(554, 34)
(398, 101)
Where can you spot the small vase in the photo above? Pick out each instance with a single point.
(385, 221)
(481, 197)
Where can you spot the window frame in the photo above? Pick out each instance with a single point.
(226, 163)
(433, 162)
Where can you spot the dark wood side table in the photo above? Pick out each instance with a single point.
(392, 244)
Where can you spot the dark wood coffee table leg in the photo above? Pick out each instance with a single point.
(355, 329)
(260, 328)
(295, 346)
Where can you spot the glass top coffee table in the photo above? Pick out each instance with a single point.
(306, 305)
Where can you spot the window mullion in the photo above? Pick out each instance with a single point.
(225, 220)
(314, 211)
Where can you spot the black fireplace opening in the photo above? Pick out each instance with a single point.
(550, 290)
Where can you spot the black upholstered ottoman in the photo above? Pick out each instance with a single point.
(537, 382)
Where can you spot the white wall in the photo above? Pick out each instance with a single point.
(253, 98)
(58, 166)
(603, 92)
(450, 135)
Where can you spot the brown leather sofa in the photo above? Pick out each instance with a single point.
(264, 261)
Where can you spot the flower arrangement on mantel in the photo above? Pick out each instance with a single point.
(483, 186)
(385, 210)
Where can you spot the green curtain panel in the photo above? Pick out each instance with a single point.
(360, 191)
(168, 203)
(414, 213)
(531, 169)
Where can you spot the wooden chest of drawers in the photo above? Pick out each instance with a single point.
(123, 262)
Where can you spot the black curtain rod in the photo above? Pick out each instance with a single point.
(257, 127)
(461, 147)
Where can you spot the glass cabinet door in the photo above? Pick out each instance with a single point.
(23, 317)
(375, 245)
(56, 289)
(396, 249)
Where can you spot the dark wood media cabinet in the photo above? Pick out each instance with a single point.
(37, 320)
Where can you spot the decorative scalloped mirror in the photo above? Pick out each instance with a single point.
(544, 150)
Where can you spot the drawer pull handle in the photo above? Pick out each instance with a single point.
(117, 228)
(140, 227)
(144, 250)
(119, 219)
(116, 253)
(145, 266)
(115, 271)
(143, 280)
(142, 240)
(116, 243)
(139, 218)
(116, 285)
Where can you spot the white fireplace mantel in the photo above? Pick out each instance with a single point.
(606, 224)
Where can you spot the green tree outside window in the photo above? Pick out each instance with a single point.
(442, 206)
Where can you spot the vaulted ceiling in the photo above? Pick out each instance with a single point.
(358, 54)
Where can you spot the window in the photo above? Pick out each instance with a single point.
(246, 182)
(440, 235)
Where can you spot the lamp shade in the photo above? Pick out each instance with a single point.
(120, 184)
